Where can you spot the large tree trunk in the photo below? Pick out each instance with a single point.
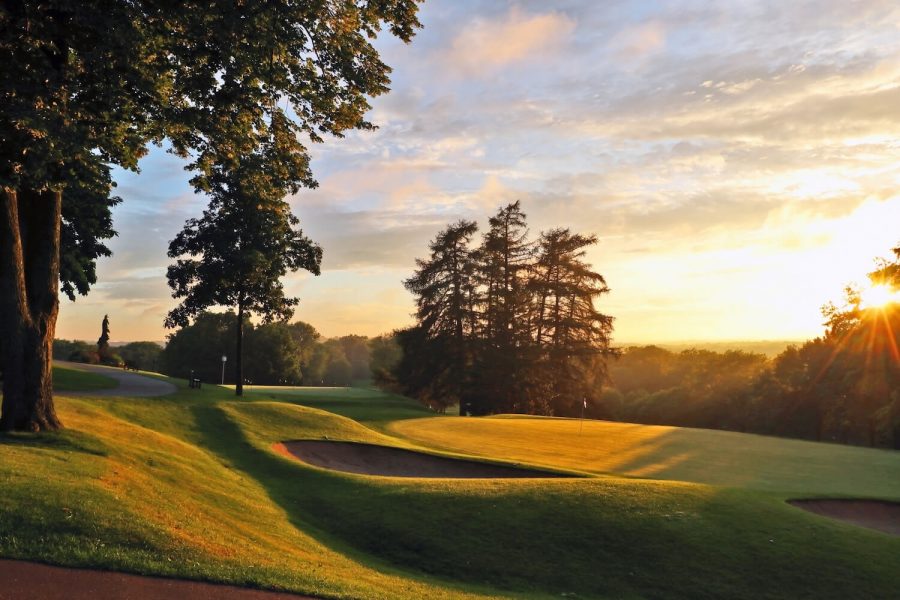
(29, 304)
(239, 358)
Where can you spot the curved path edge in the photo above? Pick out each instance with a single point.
(24, 580)
(130, 384)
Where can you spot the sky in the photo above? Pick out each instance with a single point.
(739, 162)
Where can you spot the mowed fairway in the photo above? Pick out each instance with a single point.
(189, 486)
(672, 453)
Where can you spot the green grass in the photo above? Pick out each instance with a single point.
(370, 406)
(72, 380)
(720, 458)
(187, 485)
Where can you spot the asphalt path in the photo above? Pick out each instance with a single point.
(20, 580)
(130, 383)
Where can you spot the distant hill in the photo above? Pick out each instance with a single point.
(768, 347)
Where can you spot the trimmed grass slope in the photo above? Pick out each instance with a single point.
(672, 453)
(71, 380)
(189, 486)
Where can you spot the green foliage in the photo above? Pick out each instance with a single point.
(273, 356)
(199, 348)
(277, 353)
(146, 356)
(338, 370)
(234, 87)
(235, 257)
(385, 354)
(356, 349)
(76, 351)
(696, 388)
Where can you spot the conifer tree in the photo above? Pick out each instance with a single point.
(502, 273)
(443, 286)
(571, 335)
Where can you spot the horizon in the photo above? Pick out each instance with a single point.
(735, 187)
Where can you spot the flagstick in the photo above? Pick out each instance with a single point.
(581, 424)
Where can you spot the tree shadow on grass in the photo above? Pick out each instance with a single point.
(593, 537)
(336, 510)
(376, 410)
(66, 440)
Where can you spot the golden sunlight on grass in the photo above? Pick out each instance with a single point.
(659, 452)
(878, 296)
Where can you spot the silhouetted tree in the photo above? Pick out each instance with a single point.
(87, 84)
(503, 261)
(443, 286)
(236, 255)
(571, 337)
(505, 328)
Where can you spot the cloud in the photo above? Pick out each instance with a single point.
(716, 148)
(487, 45)
(639, 42)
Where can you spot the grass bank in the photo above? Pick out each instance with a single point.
(187, 485)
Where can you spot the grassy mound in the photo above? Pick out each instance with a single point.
(188, 485)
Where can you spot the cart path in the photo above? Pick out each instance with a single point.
(130, 383)
(22, 580)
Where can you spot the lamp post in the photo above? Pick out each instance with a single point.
(224, 358)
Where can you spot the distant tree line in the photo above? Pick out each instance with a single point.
(842, 387)
(139, 355)
(277, 353)
(693, 388)
(507, 326)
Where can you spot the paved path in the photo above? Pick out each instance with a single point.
(21, 580)
(130, 383)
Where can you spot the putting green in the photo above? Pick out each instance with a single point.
(672, 453)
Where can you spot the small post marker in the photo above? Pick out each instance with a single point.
(581, 424)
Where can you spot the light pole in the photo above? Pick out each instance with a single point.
(224, 358)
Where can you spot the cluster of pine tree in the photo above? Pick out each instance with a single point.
(509, 326)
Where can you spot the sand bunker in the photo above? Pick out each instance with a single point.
(368, 459)
(874, 514)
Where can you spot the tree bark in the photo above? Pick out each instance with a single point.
(239, 354)
(29, 305)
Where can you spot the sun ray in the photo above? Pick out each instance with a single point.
(878, 296)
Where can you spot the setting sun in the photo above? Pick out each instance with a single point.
(878, 296)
